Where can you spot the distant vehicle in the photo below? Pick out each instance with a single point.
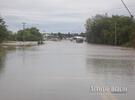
(79, 39)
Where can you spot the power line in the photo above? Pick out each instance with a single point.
(127, 8)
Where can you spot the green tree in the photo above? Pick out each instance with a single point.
(3, 30)
(29, 34)
(104, 29)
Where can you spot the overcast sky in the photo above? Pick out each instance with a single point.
(58, 15)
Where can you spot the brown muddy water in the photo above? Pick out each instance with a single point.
(67, 71)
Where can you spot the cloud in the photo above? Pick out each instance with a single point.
(57, 15)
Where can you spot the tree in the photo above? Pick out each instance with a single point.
(102, 29)
(60, 36)
(29, 34)
(11, 36)
(3, 30)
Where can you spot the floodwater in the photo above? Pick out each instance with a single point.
(67, 71)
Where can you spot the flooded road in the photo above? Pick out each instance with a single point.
(67, 71)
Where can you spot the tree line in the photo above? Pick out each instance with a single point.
(100, 29)
(114, 30)
(28, 34)
(3, 30)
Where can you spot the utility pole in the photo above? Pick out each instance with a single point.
(23, 25)
(23, 31)
(115, 41)
(127, 9)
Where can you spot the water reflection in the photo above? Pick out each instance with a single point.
(64, 70)
(112, 68)
(2, 60)
(113, 73)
